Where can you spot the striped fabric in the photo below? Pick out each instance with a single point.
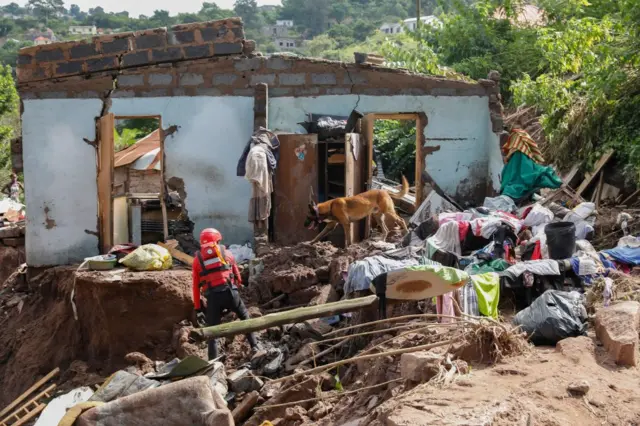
(519, 140)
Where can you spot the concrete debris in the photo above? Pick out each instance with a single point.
(577, 348)
(419, 366)
(268, 362)
(617, 328)
(579, 388)
(141, 362)
(243, 380)
(320, 410)
(218, 378)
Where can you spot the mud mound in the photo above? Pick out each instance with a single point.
(131, 311)
(119, 312)
(10, 259)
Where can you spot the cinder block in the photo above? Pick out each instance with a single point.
(208, 91)
(263, 78)
(280, 91)
(307, 91)
(182, 37)
(70, 67)
(50, 55)
(243, 92)
(220, 49)
(224, 79)
(160, 79)
(25, 59)
(338, 91)
(101, 64)
(323, 78)
(118, 45)
(130, 80)
(199, 51)
(245, 64)
(169, 54)
(155, 93)
(354, 77)
(83, 50)
(279, 63)
(135, 58)
(150, 41)
(292, 79)
(191, 79)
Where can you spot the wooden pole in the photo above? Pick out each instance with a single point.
(242, 410)
(280, 318)
(417, 14)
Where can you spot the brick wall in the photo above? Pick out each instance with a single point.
(144, 181)
(238, 76)
(132, 49)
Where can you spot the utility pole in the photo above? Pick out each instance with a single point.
(418, 22)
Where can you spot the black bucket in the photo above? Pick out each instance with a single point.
(561, 239)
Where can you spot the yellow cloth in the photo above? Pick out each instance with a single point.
(74, 412)
(519, 140)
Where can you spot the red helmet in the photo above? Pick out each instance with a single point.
(210, 236)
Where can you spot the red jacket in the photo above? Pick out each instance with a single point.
(196, 269)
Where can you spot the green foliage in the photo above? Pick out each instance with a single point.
(9, 120)
(46, 8)
(396, 143)
(127, 132)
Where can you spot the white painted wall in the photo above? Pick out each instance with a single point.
(204, 153)
(459, 125)
(60, 176)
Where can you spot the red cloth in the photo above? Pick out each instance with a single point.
(214, 279)
(463, 228)
(537, 252)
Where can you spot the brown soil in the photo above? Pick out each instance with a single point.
(116, 316)
(529, 389)
(10, 259)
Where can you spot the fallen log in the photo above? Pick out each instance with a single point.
(287, 317)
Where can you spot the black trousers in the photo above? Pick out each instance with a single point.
(218, 301)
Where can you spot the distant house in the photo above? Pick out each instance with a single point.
(39, 41)
(285, 43)
(410, 24)
(83, 29)
(284, 23)
(275, 31)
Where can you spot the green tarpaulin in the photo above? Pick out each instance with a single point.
(521, 176)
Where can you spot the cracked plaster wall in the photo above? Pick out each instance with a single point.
(459, 126)
(60, 180)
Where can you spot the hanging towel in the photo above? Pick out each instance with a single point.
(487, 287)
(257, 172)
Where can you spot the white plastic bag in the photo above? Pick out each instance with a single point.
(149, 257)
(242, 253)
(538, 215)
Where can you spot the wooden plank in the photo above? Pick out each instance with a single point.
(631, 197)
(420, 125)
(591, 176)
(29, 391)
(399, 116)
(599, 189)
(177, 254)
(280, 318)
(354, 176)
(163, 203)
(106, 125)
(296, 174)
(29, 413)
(243, 409)
(367, 123)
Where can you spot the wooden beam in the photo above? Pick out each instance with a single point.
(29, 391)
(21, 418)
(177, 254)
(591, 176)
(106, 125)
(244, 408)
(280, 318)
(163, 189)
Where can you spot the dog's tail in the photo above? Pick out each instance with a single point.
(404, 191)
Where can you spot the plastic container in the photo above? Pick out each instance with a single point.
(102, 262)
(561, 239)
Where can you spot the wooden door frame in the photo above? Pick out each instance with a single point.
(105, 172)
(421, 122)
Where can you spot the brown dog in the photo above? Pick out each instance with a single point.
(345, 210)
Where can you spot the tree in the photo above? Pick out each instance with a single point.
(9, 120)
(161, 18)
(74, 10)
(6, 26)
(96, 11)
(248, 11)
(13, 9)
(212, 12)
(46, 8)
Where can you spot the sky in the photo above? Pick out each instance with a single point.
(146, 7)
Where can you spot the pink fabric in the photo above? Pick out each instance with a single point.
(463, 228)
(444, 306)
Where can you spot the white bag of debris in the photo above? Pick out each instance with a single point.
(242, 253)
(502, 203)
(56, 409)
(363, 271)
(538, 215)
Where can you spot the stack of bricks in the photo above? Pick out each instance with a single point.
(12, 236)
(133, 49)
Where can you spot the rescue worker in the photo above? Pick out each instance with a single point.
(216, 276)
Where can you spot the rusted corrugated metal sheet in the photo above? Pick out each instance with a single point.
(138, 149)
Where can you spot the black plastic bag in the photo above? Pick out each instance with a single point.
(553, 316)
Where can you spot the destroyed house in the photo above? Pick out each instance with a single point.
(210, 90)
